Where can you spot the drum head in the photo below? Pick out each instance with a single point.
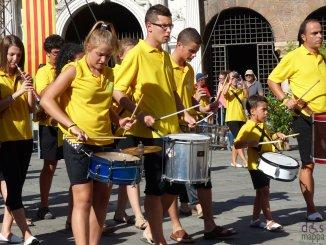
(117, 156)
(188, 137)
(280, 159)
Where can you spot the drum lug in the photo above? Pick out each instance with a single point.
(277, 171)
(97, 168)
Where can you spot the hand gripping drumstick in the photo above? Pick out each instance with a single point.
(97, 138)
(277, 141)
(134, 112)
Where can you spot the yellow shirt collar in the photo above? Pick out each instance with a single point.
(148, 48)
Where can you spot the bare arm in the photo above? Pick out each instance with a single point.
(280, 95)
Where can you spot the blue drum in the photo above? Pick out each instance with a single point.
(115, 167)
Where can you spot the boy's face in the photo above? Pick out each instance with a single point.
(259, 114)
(189, 50)
(53, 55)
(160, 29)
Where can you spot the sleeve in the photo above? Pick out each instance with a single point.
(242, 134)
(259, 87)
(127, 72)
(283, 70)
(41, 80)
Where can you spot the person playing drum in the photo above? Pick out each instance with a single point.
(85, 89)
(148, 68)
(305, 69)
(188, 44)
(250, 134)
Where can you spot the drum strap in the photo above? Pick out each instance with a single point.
(237, 97)
(264, 134)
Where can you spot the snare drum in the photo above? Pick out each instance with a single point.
(319, 138)
(115, 167)
(278, 166)
(187, 158)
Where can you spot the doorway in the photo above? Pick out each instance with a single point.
(242, 58)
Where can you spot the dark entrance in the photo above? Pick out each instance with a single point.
(125, 23)
(242, 57)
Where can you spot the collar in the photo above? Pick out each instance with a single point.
(305, 51)
(148, 48)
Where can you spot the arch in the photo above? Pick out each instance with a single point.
(239, 30)
(76, 6)
(320, 15)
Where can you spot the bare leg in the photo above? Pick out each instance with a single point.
(257, 206)
(307, 186)
(234, 156)
(101, 193)
(70, 205)
(7, 218)
(134, 199)
(172, 210)
(264, 195)
(20, 218)
(46, 177)
(122, 202)
(82, 201)
(154, 211)
(205, 199)
(242, 156)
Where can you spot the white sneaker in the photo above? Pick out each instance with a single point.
(11, 239)
(31, 241)
(237, 165)
(315, 217)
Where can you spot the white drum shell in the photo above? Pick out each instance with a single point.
(186, 158)
(278, 171)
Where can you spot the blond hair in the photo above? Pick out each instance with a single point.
(102, 33)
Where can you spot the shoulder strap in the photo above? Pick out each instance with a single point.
(237, 97)
(263, 134)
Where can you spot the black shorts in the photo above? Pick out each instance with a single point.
(153, 167)
(50, 150)
(77, 164)
(259, 179)
(303, 125)
(234, 127)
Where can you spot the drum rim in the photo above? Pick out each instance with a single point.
(114, 162)
(279, 179)
(281, 166)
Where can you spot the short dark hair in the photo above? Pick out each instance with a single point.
(302, 29)
(224, 73)
(254, 100)
(154, 11)
(53, 41)
(5, 43)
(189, 35)
(67, 54)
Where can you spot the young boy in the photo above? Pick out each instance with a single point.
(250, 134)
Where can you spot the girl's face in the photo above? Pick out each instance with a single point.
(14, 55)
(99, 56)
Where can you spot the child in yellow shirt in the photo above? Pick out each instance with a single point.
(250, 134)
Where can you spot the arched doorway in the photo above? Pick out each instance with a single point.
(320, 14)
(241, 39)
(107, 11)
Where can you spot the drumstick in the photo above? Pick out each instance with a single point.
(269, 142)
(204, 118)
(178, 112)
(291, 135)
(134, 112)
(97, 138)
(309, 89)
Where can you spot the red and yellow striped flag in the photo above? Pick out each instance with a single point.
(38, 19)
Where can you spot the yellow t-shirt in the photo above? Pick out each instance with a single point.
(184, 79)
(87, 102)
(44, 76)
(303, 69)
(234, 111)
(150, 72)
(15, 120)
(250, 132)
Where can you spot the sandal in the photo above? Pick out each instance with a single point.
(146, 239)
(219, 232)
(257, 224)
(125, 218)
(141, 223)
(273, 226)
(181, 236)
(107, 230)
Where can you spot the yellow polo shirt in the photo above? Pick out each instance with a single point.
(44, 76)
(150, 71)
(249, 132)
(87, 102)
(184, 79)
(234, 111)
(303, 69)
(15, 123)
